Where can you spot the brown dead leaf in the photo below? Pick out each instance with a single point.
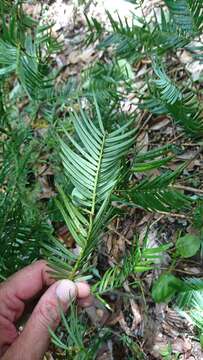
(48, 356)
(174, 319)
(65, 236)
(46, 190)
(159, 123)
(143, 142)
(115, 318)
(196, 69)
(182, 346)
(105, 356)
(124, 326)
(160, 343)
(184, 56)
(197, 350)
(137, 317)
(97, 313)
(33, 10)
(44, 170)
(78, 56)
(187, 155)
(144, 220)
(108, 240)
(115, 242)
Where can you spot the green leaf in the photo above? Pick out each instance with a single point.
(126, 69)
(189, 301)
(184, 110)
(187, 14)
(158, 194)
(201, 340)
(92, 163)
(188, 245)
(147, 166)
(168, 90)
(24, 57)
(165, 288)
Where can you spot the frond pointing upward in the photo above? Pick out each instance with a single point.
(93, 165)
(138, 260)
(25, 64)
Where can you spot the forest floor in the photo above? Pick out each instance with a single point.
(155, 328)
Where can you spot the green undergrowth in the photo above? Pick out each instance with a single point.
(82, 136)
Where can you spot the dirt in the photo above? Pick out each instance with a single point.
(152, 327)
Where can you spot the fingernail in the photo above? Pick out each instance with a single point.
(66, 290)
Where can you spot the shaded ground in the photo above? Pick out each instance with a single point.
(154, 327)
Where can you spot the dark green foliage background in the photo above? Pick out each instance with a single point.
(94, 153)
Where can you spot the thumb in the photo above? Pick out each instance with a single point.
(34, 340)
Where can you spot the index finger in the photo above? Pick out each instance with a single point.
(27, 282)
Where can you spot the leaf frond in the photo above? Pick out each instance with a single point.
(189, 302)
(158, 194)
(187, 14)
(92, 162)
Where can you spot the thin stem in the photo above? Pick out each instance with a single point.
(180, 216)
(97, 176)
(92, 214)
(188, 188)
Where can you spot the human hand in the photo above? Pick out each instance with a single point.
(33, 342)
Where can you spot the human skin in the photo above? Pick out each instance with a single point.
(16, 291)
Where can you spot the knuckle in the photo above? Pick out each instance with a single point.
(43, 263)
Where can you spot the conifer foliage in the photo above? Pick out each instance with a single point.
(93, 151)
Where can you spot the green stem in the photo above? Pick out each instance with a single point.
(95, 187)
(92, 213)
